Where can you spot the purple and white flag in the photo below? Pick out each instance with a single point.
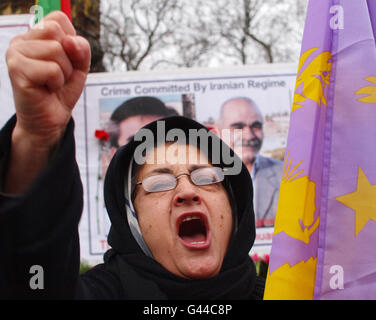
(325, 229)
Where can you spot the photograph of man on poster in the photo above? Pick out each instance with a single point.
(128, 118)
(242, 113)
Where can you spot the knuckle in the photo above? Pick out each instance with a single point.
(53, 30)
(62, 20)
(9, 53)
(16, 39)
(54, 76)
(56, 15)
(22, 84)
(56, 48)
(11, 60)
(54, 70)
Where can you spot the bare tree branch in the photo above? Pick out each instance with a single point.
(183, 33)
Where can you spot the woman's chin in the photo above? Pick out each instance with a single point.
(200, 270)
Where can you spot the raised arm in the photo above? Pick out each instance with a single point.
(47, 66)
(41, 199)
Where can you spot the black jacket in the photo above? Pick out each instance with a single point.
(40, 228)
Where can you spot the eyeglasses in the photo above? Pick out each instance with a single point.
(166, 181)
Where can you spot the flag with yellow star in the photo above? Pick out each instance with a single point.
(325, 229)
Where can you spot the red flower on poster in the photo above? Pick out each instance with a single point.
(102, 135)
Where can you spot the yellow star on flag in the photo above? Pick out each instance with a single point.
(369, 91)
(362, 201)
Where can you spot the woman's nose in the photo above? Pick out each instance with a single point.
(186, 192)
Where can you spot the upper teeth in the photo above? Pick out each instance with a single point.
(190, 218)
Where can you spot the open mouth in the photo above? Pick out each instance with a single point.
(193, 230)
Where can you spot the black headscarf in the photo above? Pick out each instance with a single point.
(145, 278)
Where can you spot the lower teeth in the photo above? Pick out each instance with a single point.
(198, 242)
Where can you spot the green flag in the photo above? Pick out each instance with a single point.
(47, 6)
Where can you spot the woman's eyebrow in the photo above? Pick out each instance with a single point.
(170, 171)
(198, 166)
(160, 170)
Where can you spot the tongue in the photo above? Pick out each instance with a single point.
(197, 237)
(193, 231)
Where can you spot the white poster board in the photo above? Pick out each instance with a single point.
(10, 26)
(270, 86)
